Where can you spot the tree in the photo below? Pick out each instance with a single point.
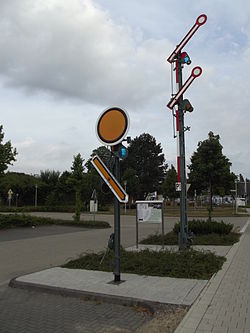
(92, 179)
(76, 179)
(63, 193)
(104, 154)
(23, 187)
(50, 177)
(209, 168)
(7, 153)
(146, 158)
(169, 184)
(132, 184)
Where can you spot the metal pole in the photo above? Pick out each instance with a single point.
(117, 277)
(36, 195)
(246, 191)
(162, 221)
(236, 194)
(137, 229)
(183, 197)
(125, 185)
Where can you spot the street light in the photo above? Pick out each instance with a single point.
(236, 194)
(36, 195)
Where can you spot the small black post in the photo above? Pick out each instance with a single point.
(117, 277)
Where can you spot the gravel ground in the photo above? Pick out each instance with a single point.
(165, 319)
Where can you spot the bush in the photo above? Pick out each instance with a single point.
(171, 238)
(183, 264)
(8, 221)
(23, 209)
(200, 227)
(61, 209)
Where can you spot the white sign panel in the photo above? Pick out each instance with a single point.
(93, 206)
(178, 186)
(241, 202)
(10, 194)
(149, 211)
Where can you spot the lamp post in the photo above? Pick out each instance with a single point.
(36, 195)
(236, 195)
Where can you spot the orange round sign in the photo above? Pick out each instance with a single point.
(112, 126)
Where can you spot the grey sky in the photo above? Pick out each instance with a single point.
(63, 62)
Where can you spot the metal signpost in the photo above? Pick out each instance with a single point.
(93, 204)
(111, 129)
(10, 193)
(179, 106)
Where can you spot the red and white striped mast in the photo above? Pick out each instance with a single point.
(177, 127)
(180, 58)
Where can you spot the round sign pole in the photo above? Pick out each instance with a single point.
(111, 128)
(117, 229)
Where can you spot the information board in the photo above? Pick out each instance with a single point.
(149, 211)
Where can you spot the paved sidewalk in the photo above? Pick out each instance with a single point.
(151, 290)
(224, 304)
(30, 311)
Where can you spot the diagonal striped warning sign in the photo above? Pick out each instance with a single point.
(109, 179)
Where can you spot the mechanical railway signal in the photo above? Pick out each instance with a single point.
(179, 106)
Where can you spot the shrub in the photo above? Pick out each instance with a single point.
(20, 220)
(200, 227)
(183, 264)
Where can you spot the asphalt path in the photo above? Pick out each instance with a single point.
(32, 249)
(26, 250)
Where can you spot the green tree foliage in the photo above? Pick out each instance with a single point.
(104, 154)
(92, 179)
(132, 184)
(23, 187)
(76, 179)
(7, 153)
(50, 177)
(146, 158)
(209, 168)
(168, 186)
(63, 193)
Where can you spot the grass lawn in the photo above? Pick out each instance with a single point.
(183, 264)
(8, 221)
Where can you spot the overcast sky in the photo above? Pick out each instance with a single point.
(63, 62)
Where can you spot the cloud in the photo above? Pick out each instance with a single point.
(74, 49)
(88, 55)
(27, 143)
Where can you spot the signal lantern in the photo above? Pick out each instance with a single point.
(122, 152)
(186, 105)
(104, 188)
(185, 59)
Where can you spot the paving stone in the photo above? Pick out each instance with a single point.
(227, 310)
(23, 311)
